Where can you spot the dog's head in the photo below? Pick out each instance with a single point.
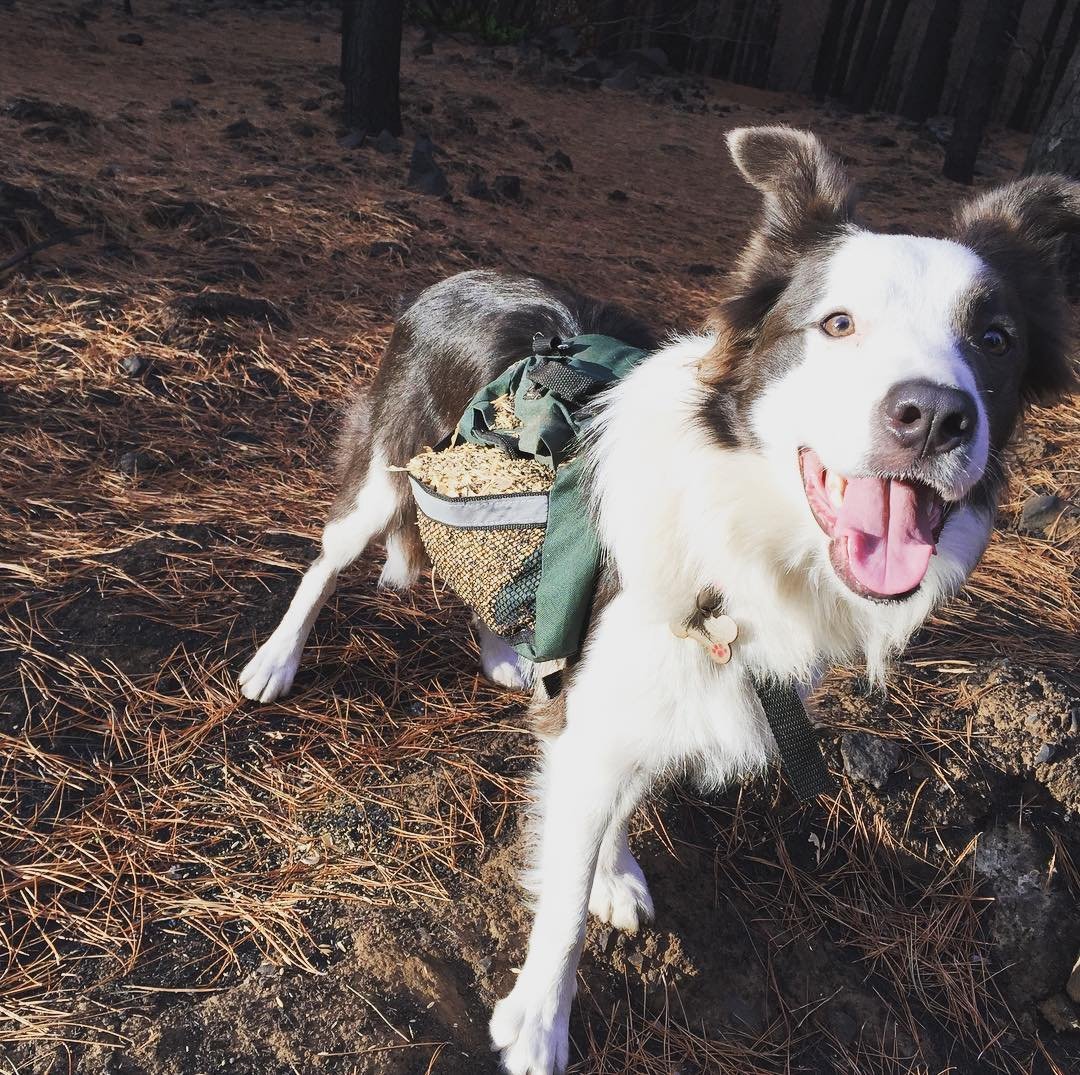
(881, 373)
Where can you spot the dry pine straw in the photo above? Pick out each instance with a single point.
(144, 810)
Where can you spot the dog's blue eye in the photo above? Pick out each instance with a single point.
(995, 340)
(838, 325)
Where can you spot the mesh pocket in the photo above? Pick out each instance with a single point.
(496, 571)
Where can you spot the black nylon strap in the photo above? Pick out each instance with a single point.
(800, 754)
(568, 384)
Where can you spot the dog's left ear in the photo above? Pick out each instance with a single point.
(808, 197)
(1017, 230)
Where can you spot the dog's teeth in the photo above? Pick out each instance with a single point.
(835, 486)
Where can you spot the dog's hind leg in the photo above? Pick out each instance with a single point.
(377, 504)
(619, 894)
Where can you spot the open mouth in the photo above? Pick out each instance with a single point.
(882, 531)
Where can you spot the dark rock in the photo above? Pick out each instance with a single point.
(387, 143)
(46, 132)
(35, 110)
(304, 129)
(1040, 512)
(507, 187)
(425, 175)
(626, 79)
(130, 39)
(560, 160)
(650, 61)
(242, 128)
(387, 248)
(183, 104)
(132, 463)
(882, 141)
(939, 128)
(134, 365)
(310, 104)
(201, 78)
(564, 40)
(870, 758)
(592, 70)
(352, 140)
(617, 196)
(221, 305)
(425, 48)
(477, 187)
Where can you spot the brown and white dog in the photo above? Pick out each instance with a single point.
(827, 454)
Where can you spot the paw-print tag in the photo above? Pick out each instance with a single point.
(710, 626)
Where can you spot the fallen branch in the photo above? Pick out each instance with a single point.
(44, 244)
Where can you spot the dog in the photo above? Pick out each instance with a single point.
(826, 454)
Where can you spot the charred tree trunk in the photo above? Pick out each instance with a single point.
(371, 64)
(1068, 48)
(927, 79)
(1020, 116)
(865, 91)
(828, 48)
(860, 62)
(981, 86)
(1056, 148)
(847, 43)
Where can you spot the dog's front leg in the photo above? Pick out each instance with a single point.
(583, 790)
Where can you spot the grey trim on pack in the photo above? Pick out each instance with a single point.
(524, 509)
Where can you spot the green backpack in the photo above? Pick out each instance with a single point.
(526, 562)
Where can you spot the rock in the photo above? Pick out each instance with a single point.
(1059, 1013)
(183, 104)
(939, 128)
(882, 141)
(508, 187)
(46, 132)
(477, 187)
(387, 248)
(425, 175)
(617, 196)
(132, 463)
(425, 48)
(130, 39)
(201, 78)
(35, 110)
(869, 758)
(1033, 923)
(1047, 753)
(1073, 986)
(242, 128)
(387, 143)
(310, 104)
(650, 61)
(352, 140)
(626, 79)
(1040, 512)
(305, 130)
(133, 365)
(564, 40)
(560, 160)
(592, 70)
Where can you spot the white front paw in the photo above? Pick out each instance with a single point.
(621, 897)
(530, 1032)
(270, 673)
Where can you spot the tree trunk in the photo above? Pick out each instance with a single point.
(865, 91)
(1068, 47)
(860, 62)
(1019, 118)
(840, 70)
(371, 64)
(828, 48)
(981, 86)
(927, 79)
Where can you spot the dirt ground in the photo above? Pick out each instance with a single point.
(192, 883)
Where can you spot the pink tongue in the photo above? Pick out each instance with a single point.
(889, 534)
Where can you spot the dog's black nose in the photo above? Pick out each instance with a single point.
(929, 419)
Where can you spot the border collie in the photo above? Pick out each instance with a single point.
(827, 454)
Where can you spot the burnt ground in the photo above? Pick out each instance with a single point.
(191, 883)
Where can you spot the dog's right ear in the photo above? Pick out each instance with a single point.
(808, 197)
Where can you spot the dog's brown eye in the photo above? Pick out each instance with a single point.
(838, 325)
(995, 340)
